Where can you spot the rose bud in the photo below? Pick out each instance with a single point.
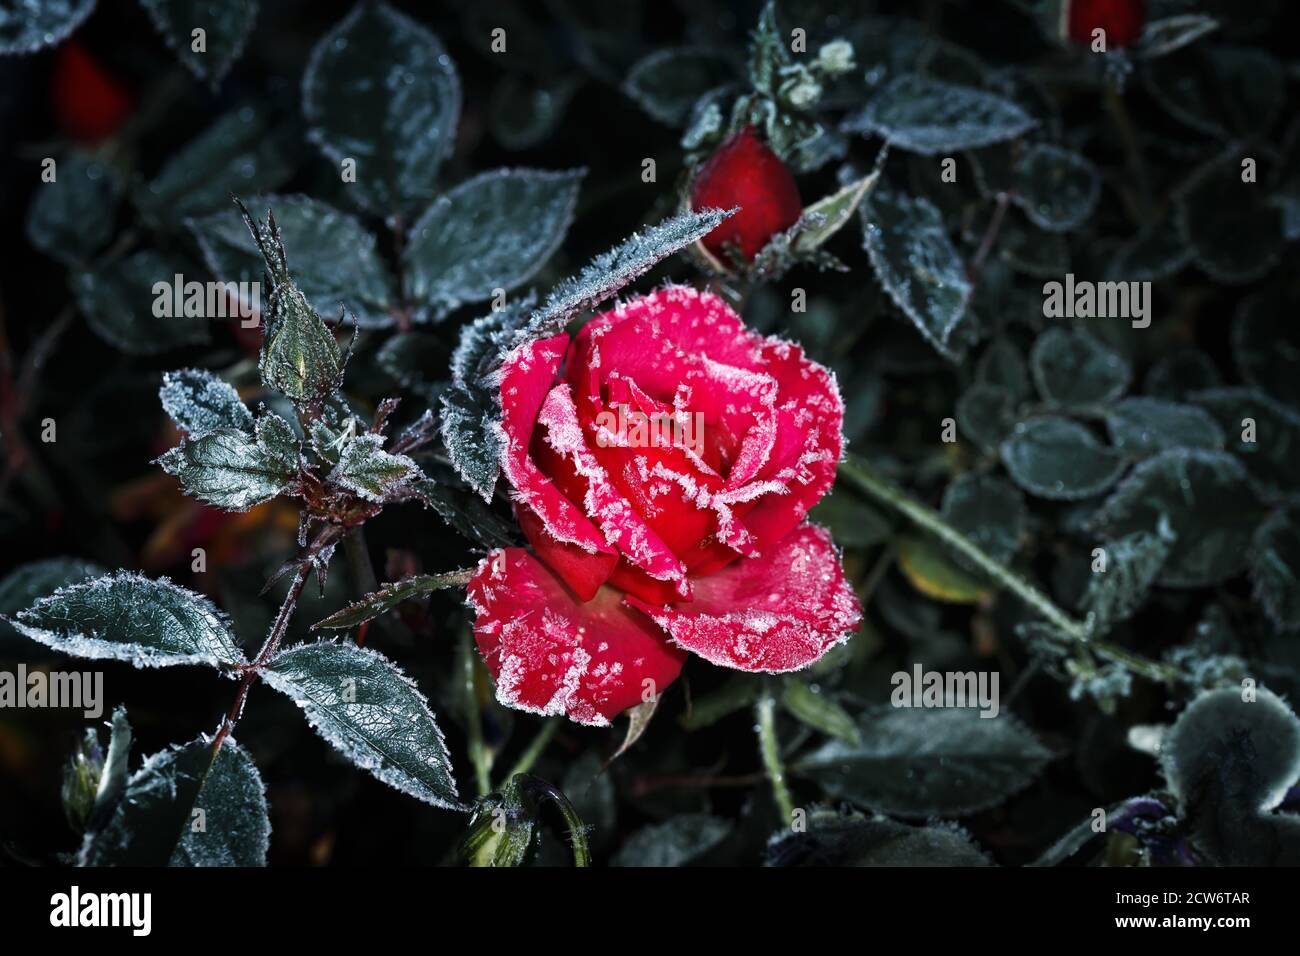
(1121, 19)
(648, 546)
(89, 102)
(745, 173)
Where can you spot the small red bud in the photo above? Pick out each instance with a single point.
(1121, 19)
(89, 102)
(745, 173)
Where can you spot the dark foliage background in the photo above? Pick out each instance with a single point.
(94, 495)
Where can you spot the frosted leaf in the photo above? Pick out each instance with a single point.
(72, 218)
(247, 150)
(28, 27)
(479, 351)
(1132, 565)
(199, 402)
(917, 762)
(466, 513)
(365, 469)
(491, 232)
(989, 511)
(1207, 500)
(838, 838)
(153, 822)
(21, 588)
(1058, 189)
(299, 357)
(234, 470)
(1071, 367)
(117, 300)
(916, 263)
(1272, 458)
(380, 89)
(1168, 34)
(1144, 426)
(388, 597)
(1275, 568)
(335, 260)
(667, 83)
(227, 23)
(610, 271)
(387, 729)
(128, 617)
(932, 117)
(114, 774)
(675, 842)
(468, 431)
(1059, 459)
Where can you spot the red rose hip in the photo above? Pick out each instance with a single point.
(1121, 19)
(745, 173)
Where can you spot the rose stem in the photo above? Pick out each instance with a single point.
(354, 544)
(478, 752)
(765, 714)
(535, 749)
(867, 480)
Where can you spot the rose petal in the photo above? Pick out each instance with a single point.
(526, 377)
(777, 612)
(551, 655)
(583, 571)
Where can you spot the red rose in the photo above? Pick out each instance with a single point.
(89, 102)
(745, 173)
(663, 463)
(1121, 19)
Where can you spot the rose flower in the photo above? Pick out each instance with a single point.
(646, 550)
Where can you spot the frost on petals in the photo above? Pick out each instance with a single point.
(780, 611)
(552, 655)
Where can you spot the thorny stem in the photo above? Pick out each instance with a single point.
(867, 480)
(765, 713)
(269, 648)
(535, 748)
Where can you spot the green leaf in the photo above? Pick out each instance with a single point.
(819, 711)
(366, 470)
(1266, 346)
(1275, 568)
(335, 258)
(199, 402)
(668, 82)
(381, 90)
(468, 431)
(610, 271)
(1224, 91)
(28, 27)
(835, 838)
(1003, 364)
(1179, 373)
(679, 841)
(1132, 566)
(1071, 368)
(1234, 233)
(1146, 426)
(735, 694)
(300, 357)
(989, 511)
(389, 596)
(931, 117)
(830, 213)
(1057, 458)
(1206, 499)
(185, 808)
(986, 414)
(1270, 447)
(1057, 188)
(226, 25)
(118, 301)
(917, 264)
(247, 151)
(945, 761)
(71, 219)
(370, 712)
(128, 617)
(22, 586)
(491, 232)
(1155, 253)
(234, 470)
(525, 113)
(467, 514)
(932, 571)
